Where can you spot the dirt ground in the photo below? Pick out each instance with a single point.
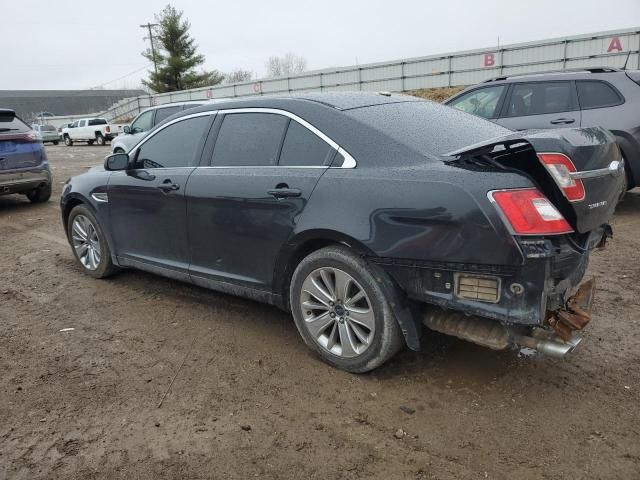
(251, 401)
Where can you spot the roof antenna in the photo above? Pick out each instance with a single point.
(625, 62)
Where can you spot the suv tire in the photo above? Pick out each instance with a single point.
(40, 195)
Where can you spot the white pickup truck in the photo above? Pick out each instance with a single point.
(88, 130)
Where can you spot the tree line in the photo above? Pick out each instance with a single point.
(176, 58)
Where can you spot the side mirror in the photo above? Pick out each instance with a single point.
(117, 161)
(126, 129)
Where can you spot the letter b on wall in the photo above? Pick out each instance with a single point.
(489, 60)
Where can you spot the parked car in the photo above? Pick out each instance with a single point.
(88, 130)
(48, 133)
(24, 167)
(363, 214)
(602, 96)
(145, 121)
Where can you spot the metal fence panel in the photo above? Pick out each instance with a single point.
(609, 49)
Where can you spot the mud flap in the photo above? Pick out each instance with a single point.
(405, 313)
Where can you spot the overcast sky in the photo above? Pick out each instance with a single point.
(65, 44)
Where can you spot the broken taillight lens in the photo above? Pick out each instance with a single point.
(528, 212)
(561, 167)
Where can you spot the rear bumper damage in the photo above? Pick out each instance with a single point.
(558, 336)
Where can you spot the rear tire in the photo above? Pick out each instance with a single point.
(87, 238)
(67, 141)
(55, 142)
(353, 335)
(40, 195)
(99, 139)
(89, 142)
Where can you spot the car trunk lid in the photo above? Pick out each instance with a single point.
(593, 152)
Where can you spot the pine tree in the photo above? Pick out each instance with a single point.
(176, 56)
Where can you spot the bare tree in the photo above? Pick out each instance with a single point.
(288, 64)
(238, 75)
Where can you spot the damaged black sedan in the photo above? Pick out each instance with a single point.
(368, 216)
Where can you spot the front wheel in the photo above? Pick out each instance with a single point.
(55, 142)
(67, 141)
(341, 311)
(88, 243)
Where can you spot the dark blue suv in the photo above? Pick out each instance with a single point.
(24, 167)
(605, 97)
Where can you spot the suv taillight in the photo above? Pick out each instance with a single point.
(528, 212)
(561, 167)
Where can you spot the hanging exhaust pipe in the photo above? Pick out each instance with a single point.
(492, 334)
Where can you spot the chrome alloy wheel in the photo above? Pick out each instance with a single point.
(86, 242)
(337, 312)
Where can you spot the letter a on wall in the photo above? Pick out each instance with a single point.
(489, 60)
(615, 44)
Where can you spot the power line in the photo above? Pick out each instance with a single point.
(120, 78)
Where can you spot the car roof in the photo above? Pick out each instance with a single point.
(555, 75)
(335, 100)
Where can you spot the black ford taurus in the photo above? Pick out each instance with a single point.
(368, 216)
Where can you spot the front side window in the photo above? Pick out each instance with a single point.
(303, 148)
(173, 146)
(82, 123)
(163, 113)
(595, 94)
(540, 98)
(249, 139)
(142, 123)
(482, 102)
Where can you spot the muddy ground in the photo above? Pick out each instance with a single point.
(251, 401)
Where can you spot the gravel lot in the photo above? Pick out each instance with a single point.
(251, 401)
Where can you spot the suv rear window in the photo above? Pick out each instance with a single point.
(10, 123)
(97, 121)
(47, 128)
(540, 98)
(597, 94)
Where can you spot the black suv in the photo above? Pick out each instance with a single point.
(606, 97)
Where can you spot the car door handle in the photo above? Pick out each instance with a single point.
(168, 186)
(559, 121)
(284, 192)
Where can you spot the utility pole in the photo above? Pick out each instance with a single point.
(149, 26)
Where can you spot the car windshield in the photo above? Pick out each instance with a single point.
(427, 127)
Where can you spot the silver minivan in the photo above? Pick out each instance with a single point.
(49, 133)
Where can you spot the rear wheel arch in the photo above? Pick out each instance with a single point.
(303, 245)
(627, 149)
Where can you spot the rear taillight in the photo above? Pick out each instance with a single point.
(561, 167)
(529, 212)
(107, 129)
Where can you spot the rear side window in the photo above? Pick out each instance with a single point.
(427, 127)
(482, 102)
(595, 94)
(163, 113)
(540, 98)
(303, 148)
(249, 139)
(173, 146)
(10, 123)
(97, 121)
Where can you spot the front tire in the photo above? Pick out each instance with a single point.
(67, 141)
(55, 142)
(341, 311)
(88, 243)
